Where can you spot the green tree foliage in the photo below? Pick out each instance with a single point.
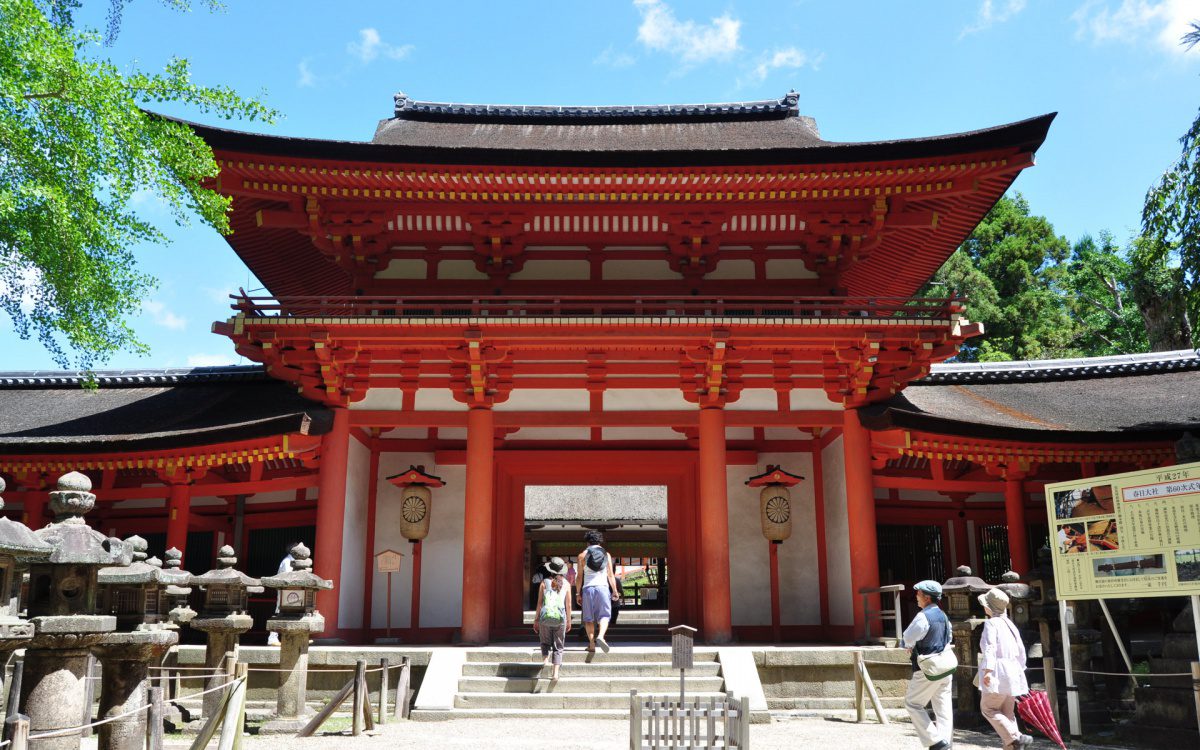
(1097, 288)
(1171, 224)
(77, 151)
(1007, 270)
(1159, 289)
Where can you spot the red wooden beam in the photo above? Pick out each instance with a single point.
(733, 418)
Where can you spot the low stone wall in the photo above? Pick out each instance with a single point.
(329, 668)
(822, 677)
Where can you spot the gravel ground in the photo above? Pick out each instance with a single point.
(585, 734)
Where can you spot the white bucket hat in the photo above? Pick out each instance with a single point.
(995, 600)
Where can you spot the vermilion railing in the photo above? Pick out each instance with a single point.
(567, 306)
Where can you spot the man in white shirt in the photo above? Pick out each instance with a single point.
(929, 633)
(285, 566)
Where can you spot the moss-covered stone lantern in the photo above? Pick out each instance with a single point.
(18, 547)
(177, 589)
(134, 593)
(223, 616)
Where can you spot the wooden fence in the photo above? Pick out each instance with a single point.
(660, 721)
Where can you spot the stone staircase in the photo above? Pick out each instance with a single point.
(632, 626)
(511, 682)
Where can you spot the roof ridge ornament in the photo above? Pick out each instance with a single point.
(785, 105)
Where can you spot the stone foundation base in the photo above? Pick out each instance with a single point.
(285, 725)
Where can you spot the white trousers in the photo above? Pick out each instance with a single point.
(923, 692)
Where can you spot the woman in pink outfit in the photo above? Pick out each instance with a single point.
(1001, 671)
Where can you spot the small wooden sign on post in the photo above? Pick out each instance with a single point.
(388, 562)
(682, 637)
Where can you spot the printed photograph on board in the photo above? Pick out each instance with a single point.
(1083, 502)
(1102, 535)
(1187, 564)
(1136, 565)
(1072, 538)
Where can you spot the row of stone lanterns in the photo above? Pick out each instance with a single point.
(94, 595)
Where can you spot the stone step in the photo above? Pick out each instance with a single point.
(575, 654)
(595, 669)
(570, 683)
(520, 713)
(553, 700)
(627, 617)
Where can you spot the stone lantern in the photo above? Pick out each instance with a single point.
(134, 594)
(296, 621)
(966, 616)
(223, 616)
(177, 589)
(18, 547)
(63, 598)
(415, 500)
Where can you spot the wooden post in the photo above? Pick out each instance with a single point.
(401, 710)
(858, 687)
(14, 697)
(414, 610)
(89, 695)
(896, 618)
(869, 684)
(331, 514)
(1051, 686)
(356, 726)
(860, 513)
(230, 666)
(322, 715)
(385, 668)
(1196, 689)
(18, 729)
(154, 720)
(233, 716)
(635, 721)
(773, 552)
(478, 526)
(241, 673)
(209, 728)
(1076, 728)
(713, 507)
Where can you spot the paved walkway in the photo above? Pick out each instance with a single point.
(587, 734)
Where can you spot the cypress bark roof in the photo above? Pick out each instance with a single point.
(52, 412)
(1138, 397)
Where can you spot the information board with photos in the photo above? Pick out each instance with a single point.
(1127, 535)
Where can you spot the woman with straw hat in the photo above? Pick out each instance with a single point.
(1001, 670)
(552, 618)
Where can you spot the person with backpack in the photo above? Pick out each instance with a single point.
(552, 618)
(598, 591)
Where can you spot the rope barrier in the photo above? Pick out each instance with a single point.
(146, 707)
(1056, 669)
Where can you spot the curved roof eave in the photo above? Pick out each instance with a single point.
(1024, 135)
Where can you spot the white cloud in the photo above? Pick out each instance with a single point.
(611, 58)
(787, 58)
(370, 46)
(690, 42)
(992, 12)
(211, 360)
(1133, 21)
(162, 316)
(307, 78)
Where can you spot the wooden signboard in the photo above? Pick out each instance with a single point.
(682, 638)
(388, 561)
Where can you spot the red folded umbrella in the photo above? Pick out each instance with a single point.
(1034, 708)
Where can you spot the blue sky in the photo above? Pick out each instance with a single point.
(1113, 70)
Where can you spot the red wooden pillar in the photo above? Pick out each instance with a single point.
(860, 512)
(369, 546)
(714, 527)
(331, 515)
(179, 512)
(1014, 513)
(818, 485)
(477, 527)
(35, 511)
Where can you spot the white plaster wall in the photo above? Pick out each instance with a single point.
(442, 550)
(837, 535)
(646, 399)
(756, 399)
(382, 399)
(459, 269)
(786, 433)
(749, 556)
(552, 433)
(641, 433)
(812, 399)
(407, 433)
(733, 269)
(739, 433)
(545, 400)
(436, 399)
(554, 270)
(207, 501)
(354, 529)
(286, 496)
(404, 268)
(788, 268)
(640, 270)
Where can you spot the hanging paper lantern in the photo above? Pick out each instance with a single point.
(775, 502)
(415, 501)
